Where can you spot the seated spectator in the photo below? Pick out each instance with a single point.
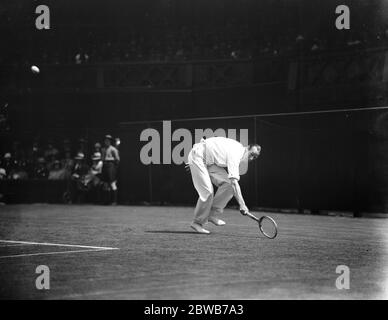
(79, 174)
(40, 170)
(96, 168)
(93, 178)
(94, 174)
(97, 147)
(8, 163)
(57, 172)
(80, 168)
(19, 171)
(3, 174)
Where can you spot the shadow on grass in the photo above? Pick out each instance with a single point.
(172, 231)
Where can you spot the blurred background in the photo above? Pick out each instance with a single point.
(120, 67)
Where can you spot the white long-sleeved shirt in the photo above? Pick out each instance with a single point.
(226, 153)
(110, 154)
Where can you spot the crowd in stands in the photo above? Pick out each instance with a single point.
(189, 43)
(79, 164)
(156, 35)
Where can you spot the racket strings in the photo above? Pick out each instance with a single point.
(268, 227)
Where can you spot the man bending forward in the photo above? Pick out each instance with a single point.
(207, 161)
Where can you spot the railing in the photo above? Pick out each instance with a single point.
(301, 71)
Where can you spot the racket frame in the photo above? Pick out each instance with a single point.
(259, 221)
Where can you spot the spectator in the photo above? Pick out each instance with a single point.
(81, 57)
(3, 174)
(96, 168)
(57, 172)
(80, 168)
(19, 171)
(93, 178)
(79, 174)
(111, 160)
(97, 148)
(8, 163)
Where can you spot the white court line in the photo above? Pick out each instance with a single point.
(12, 245)
(57, 244)
(47, 253)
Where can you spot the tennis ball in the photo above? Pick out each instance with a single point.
(35, 69)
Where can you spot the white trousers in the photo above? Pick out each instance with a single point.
(204, 177)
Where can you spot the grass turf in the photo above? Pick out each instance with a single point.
(160, 257)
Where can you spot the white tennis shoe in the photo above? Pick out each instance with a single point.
(216, 221)
(199, 228)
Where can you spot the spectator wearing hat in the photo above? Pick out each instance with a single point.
(94, 174)
(57, 171)
(80, 168)
(97, 164)
(93, 178)
(111, 160)
(3, 174)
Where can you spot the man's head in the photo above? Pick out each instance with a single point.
(253, 151)
(97, 146)
(96, 157)
(108, 140)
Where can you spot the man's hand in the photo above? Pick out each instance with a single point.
(244, 210)
(187, 167)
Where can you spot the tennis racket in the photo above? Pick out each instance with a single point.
(267, 225)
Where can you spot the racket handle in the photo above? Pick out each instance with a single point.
(243, 212)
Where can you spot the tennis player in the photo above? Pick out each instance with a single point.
(207, 161)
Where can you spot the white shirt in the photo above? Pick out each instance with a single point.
(97, 168)
(110, 154)
(226, 153)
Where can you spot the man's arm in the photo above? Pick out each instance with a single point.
(238, 195)
(116, 155)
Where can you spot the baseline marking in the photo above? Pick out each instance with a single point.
(56, 252)
(57, 244)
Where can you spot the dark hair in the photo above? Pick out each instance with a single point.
(251, 145)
